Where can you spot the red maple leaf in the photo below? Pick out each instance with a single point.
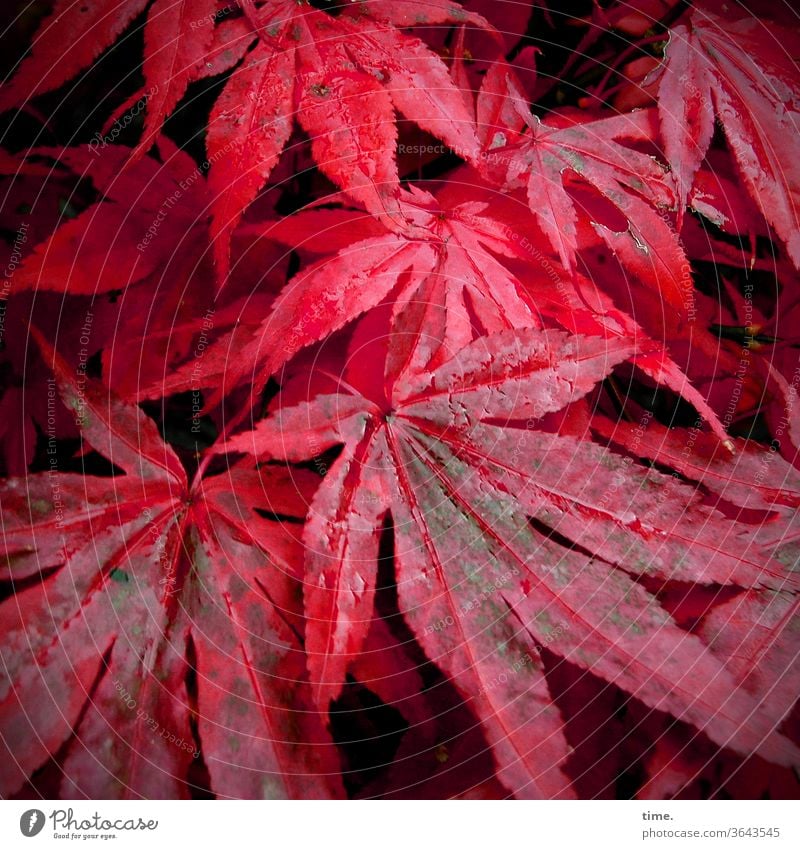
(501, 536)
(343, 78)
(517, 510)
(149, 578)
(733, 71)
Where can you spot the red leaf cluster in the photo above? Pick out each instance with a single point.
(392, 407)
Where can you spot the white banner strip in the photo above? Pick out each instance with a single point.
(403, 825)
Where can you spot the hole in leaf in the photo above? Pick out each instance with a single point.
(198, 776)
(368, 732)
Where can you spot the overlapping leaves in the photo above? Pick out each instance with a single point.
(165, 628)
(503, 537)
(160, 620)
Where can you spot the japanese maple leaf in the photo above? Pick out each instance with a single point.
(146, 213)
(157, 620)
(178, 36)
(213, 49)
(558, 162)
(463, 280)
(185, 40)
(68, 40)
(749, 479)
(343, 77)
(741, 72)
(505, 541)
(754, 636)
(579, 306)
(450, 286)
